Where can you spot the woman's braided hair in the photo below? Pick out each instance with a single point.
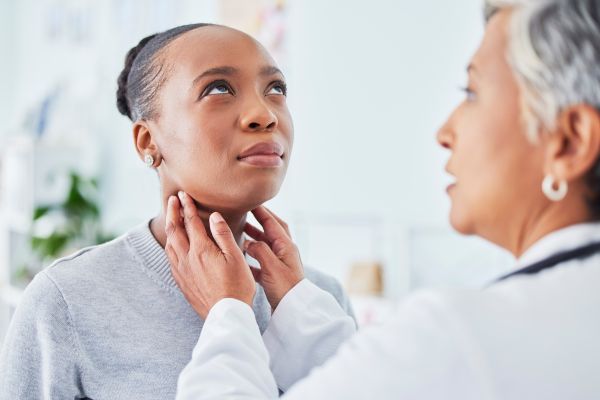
(144, 73)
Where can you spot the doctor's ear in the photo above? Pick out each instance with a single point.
(145, 145)
(574, 147)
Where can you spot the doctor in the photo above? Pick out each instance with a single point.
(524, 148)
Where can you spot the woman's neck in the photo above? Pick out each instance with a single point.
(236, 222)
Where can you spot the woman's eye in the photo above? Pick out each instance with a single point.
(279, 89)
(219, 89)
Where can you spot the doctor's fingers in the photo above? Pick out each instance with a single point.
(272, 229)
(263, 254)
(185, 279)
(224, 238)
(282, 246)
(255, 233)
(177, 240)
(287, 267)
(281, 222)
(256, 273)
(198, 238)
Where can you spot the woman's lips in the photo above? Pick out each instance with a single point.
(265, 154)
(263, 160)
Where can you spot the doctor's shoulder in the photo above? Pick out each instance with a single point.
(515, 310)
(523, 335)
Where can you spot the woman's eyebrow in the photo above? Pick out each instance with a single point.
(225, 70)
(228, 71)
(270, 70)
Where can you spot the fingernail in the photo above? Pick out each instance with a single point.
(216, 218)
(180, 194)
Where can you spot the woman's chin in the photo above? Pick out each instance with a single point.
(247, 202)
(255, 201)
(259, 193)
(240, 197)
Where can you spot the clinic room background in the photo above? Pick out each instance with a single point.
(370, 82)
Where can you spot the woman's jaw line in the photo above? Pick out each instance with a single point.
(236, 223)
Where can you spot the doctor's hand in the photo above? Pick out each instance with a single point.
(205, 271)
(280, 265)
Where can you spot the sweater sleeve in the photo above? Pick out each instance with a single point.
(39, 355)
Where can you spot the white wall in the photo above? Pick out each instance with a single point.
(8, 51)
(370, 82)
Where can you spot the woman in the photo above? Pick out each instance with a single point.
(525, 151)
(209, 113)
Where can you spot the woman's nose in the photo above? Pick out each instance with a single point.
(258, 117)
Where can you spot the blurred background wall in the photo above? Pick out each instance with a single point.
(370, 82)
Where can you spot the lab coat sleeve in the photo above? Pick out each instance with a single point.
(424, 351)
(230, 360)
(307, 328)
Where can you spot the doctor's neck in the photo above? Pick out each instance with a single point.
(536, 225)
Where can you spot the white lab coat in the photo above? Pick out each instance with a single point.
(529, 337)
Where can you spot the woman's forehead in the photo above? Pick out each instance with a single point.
(216, 45)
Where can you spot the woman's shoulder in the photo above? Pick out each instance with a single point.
(322, 280)
(329, 284)
(92, 258)
(94, 263)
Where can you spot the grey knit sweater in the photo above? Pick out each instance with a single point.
(109, 322)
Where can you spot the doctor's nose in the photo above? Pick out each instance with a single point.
(444, 138)
(445, 134)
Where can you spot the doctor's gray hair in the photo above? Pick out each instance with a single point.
(554, 51)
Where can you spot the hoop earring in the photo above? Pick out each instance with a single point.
(552, 193)
(148, 160)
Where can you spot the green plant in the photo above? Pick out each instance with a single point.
(75, 221)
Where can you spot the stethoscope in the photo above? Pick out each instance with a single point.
(552, 261)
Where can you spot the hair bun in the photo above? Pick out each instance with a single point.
(123, 104)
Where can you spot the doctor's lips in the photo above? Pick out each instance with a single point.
(265, 154)
(452, 180)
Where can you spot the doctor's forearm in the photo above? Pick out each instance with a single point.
(306, 329)
(230, 360)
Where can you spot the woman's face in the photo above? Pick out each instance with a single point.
(498, 171)
(224, 131)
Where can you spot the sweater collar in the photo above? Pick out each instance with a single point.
(154, 257)
(152, 254)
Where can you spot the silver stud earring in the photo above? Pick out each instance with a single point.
(554, 194)
(148, 160)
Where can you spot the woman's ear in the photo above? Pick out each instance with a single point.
(144, 142)
(574, 147)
